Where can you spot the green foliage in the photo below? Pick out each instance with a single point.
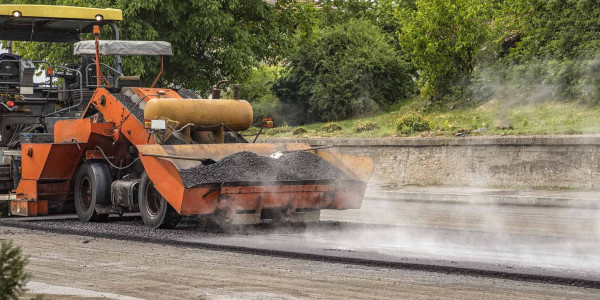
(212, 39)
(443, 38)
(412, 123)
(542, 51)
(363, 126)
(257, 90)
(13, 277)
(551, 29)
(331, 127)
(347, 70)
(257, 87)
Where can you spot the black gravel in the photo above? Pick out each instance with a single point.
(131, 105)
(250, 167)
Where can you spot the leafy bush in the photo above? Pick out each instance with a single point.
(347, 70)
(331, 127)
(363, 126)
(13, 277)
(443, 39)
(299, 131)
(257, 87)
(412, 123)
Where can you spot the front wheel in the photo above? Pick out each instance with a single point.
(154, 208)
(92, 187)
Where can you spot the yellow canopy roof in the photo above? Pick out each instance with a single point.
(61, 12)
(51, 23)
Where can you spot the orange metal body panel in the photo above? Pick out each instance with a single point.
(80, 130)
(205, 200)
(166, 179)
(33, 190)
(199, 201)
(49, 161)
(164, 173)
(27, 190)
(128, 126)
(29, 208)
(150, 93)
(357, 167)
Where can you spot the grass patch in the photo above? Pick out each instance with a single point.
(362, 126)
(491, 118)
(299, 131)
(331, 127)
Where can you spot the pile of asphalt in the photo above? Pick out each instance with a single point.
(250, 167)
(133, 107)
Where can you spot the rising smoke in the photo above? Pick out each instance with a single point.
(513, 236)
(540, 80)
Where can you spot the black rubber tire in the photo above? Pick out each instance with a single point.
(154, 208)
(92, 187)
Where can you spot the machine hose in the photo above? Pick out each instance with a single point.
(112, 165)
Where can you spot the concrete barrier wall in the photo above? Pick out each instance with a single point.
(522, 161)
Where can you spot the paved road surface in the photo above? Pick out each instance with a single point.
(470, 248)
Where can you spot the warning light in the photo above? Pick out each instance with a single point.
(267, 123)
(49, 72)
(17, 14)
(10, 103)
(99, 18)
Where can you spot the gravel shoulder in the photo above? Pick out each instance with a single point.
(152, 271)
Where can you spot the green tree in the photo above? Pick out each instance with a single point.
(13, 277)
(347, 70)
(551, 29)
(443, 38)
(212, 39)
(542, 51)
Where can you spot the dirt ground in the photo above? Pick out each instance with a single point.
(75, 267)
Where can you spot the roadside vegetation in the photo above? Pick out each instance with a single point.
(490, 118)
(13, 276)
(438, 67)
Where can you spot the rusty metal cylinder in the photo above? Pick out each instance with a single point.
(234, 114)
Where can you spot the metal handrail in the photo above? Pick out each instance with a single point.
(80, 91)
(87, 73)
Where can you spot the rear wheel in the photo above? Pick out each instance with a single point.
(154, 208)
(92, 187)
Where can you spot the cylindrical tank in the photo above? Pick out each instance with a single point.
(235, 114)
